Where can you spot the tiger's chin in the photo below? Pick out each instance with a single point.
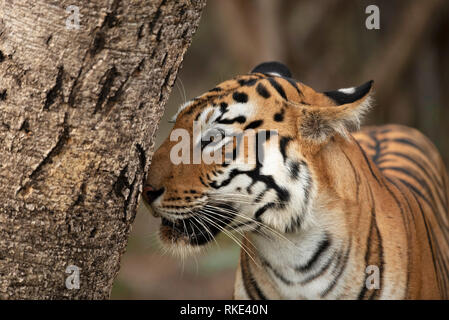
(184, 236)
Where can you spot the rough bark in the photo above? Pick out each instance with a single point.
(78, 112)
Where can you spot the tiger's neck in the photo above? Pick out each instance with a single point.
(318, 261)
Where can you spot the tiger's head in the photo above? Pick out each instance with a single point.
(241, 157)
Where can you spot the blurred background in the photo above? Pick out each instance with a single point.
(326, 46)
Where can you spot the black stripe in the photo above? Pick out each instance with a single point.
(322, 246)
(404, 196)
(223, 107)
(420, 181)
(199, 102)
(247, 82)
(416, 191)
(320, 272)
(261, 295)
(240, 97)
(407, 142)
(260, 195)
(239, 119)
(254, 124)
(283, 146)
(356, 175)
(373, 228)
(262, 91)
(279, 116)
(376, 147)
(307, 184)
(430, 175)
(382, 262)
(342, 267)
(293, 167)
(368, 162)
(294, 85)
(262, 210)
(368, 244)
(203, 183)
(276, 273)
(277, 87)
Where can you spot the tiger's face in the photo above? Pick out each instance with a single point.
(241, 156)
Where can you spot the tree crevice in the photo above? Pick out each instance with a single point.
(106, 87)
(53, 152)
(53, 93)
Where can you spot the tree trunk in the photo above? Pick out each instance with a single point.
(78, 112)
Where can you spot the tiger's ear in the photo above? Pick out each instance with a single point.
(339, 111)
(273, 68)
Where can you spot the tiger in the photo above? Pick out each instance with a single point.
(329, 211)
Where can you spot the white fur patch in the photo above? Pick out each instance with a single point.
(347, 90)
(274, 74)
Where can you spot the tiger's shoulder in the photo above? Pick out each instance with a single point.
(391, 145)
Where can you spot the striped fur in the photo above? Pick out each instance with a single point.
(327, 206)
(394, 202)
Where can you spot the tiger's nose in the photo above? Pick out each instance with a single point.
(150, 194)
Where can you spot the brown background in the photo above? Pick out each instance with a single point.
(326, 46)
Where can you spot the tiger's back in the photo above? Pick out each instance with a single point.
(417, 178)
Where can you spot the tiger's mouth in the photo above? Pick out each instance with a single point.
(199, 229)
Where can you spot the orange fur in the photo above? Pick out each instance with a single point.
(382, 191)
